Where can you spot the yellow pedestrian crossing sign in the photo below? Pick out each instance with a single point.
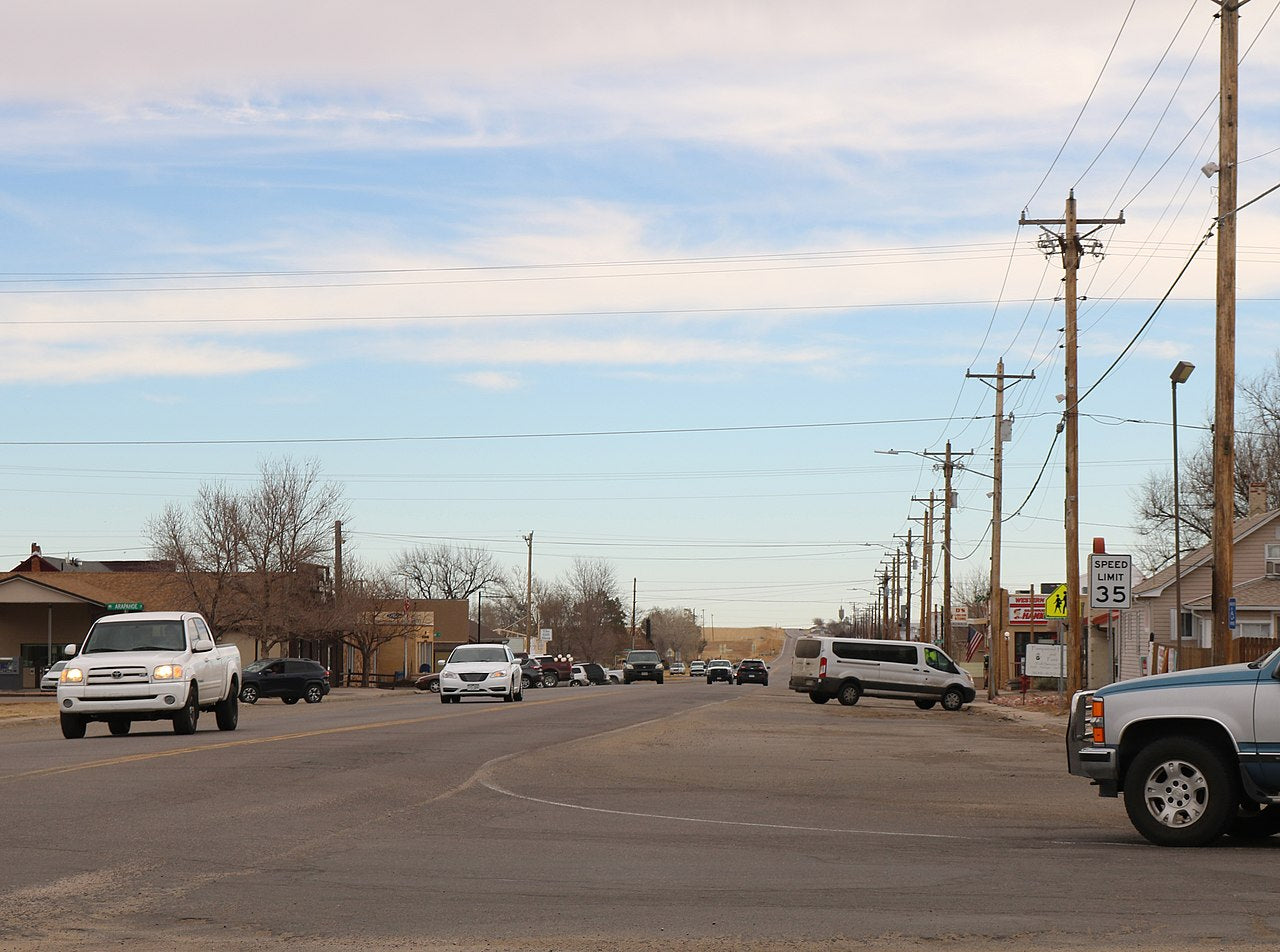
(1055, 603)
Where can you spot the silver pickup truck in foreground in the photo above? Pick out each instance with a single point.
(1195, 754)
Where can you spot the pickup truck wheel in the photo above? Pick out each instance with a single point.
(185, 721)
(119, 726)
(249, 694)
(815, 697)
(550, 679)
(849, 693)
(314, 694)
(1179, 792)
(73, 726)
(925, 705)
(1255, 822)
(227, 712)
(952, 699)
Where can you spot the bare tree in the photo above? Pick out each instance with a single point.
(369, 617)
(973, 592)
(445, 571)
(675, 631)
(596, 623)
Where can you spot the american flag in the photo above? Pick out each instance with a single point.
(975, 642)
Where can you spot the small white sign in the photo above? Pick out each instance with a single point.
(1110, 579)
(959, 615)
(1045, 661)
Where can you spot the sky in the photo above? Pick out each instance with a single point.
(653, 281)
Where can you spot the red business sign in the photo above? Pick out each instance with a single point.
(1021, 608)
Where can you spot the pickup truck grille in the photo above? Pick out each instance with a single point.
(122, 675)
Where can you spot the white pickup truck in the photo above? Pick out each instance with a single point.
(149, 666)
(1195, 754)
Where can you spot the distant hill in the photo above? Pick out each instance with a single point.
(738, 643)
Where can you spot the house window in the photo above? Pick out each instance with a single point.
(1272, 555)
(1252, 629)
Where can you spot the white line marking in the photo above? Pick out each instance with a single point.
(692, 819)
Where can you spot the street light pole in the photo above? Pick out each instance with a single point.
(1179, 375)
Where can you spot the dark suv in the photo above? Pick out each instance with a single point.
(752, 669)
(292, 679)
(642, 665)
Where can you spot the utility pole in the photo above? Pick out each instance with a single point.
(337, 561)
(995, 607)
(633, 614)
(1224, 452)
(1071, 245)
(897, 592)
(907, 601)
(528, 596)
(926, 567)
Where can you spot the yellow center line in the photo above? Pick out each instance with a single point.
(251, 741)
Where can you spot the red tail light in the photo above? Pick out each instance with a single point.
(822, 668)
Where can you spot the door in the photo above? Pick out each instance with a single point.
(1262, 757)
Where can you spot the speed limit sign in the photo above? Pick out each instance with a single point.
(1110, 578)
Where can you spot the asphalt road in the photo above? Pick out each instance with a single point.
(680, 816)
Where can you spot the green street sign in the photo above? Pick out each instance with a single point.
(124, 606)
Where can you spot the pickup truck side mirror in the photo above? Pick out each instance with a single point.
(70, 650)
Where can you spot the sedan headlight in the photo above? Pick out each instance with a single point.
(497, 674)
(71, 676)
(447, 675)
(167, 672)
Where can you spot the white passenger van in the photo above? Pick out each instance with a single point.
(847, 668)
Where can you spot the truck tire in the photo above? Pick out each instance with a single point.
(185, 721)
(73, 726)
(849, 693)
(952, 699)
(1179, 791)
(550, 679)
(227, 711)
(119, 726)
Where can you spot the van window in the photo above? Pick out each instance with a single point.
(808, 648)
(901, 654)
(936, 659)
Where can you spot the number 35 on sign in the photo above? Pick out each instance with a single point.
(1110, 578)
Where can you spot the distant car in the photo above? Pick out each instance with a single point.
(719, 670)
(427, 682)
(530, 673)
(481, 670)
(290, 679)
(614, 675)
(697, 669)
(642, 665)
(579, 677)
(677, 667)
(752, 669)
(49, 682)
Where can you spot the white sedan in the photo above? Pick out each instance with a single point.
(49, 683)
(481, 670)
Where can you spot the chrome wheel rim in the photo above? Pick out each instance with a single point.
(1176, 793)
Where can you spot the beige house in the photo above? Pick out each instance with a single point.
(1150, 640)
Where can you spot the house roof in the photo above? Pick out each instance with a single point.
(1254, 594)
(157, 591)
(1155, 586)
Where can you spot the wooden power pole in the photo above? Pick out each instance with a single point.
(995, 607)
(1224, 453)
(1071, 245)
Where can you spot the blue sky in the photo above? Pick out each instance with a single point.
(655, 286)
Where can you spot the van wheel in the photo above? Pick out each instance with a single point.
(849, 693)
(817, 698)
(925, 705)
(952, 699)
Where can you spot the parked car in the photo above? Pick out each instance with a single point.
(555, 668)
(290, 679)
(697, 669)
(427, 682)
(592, 673)
(531, 673)
(481, 670)
(614, 675)
(578, 677)
(677, 667)
(641, 665)
(752, 669)
(49, 682)
(719, 669)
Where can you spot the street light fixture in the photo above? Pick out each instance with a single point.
(1179, 375)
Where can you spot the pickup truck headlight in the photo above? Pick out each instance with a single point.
(1095, 721)
(626, 664)
(71, 676)
(167, 672)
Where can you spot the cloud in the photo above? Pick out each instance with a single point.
(71, 365)
(489, 380)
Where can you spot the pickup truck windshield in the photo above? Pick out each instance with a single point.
(645, 656)
(135, 636)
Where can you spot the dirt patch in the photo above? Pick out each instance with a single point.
(23, 712)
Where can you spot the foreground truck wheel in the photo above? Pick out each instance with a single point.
(1180, 792)
(72, 726)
